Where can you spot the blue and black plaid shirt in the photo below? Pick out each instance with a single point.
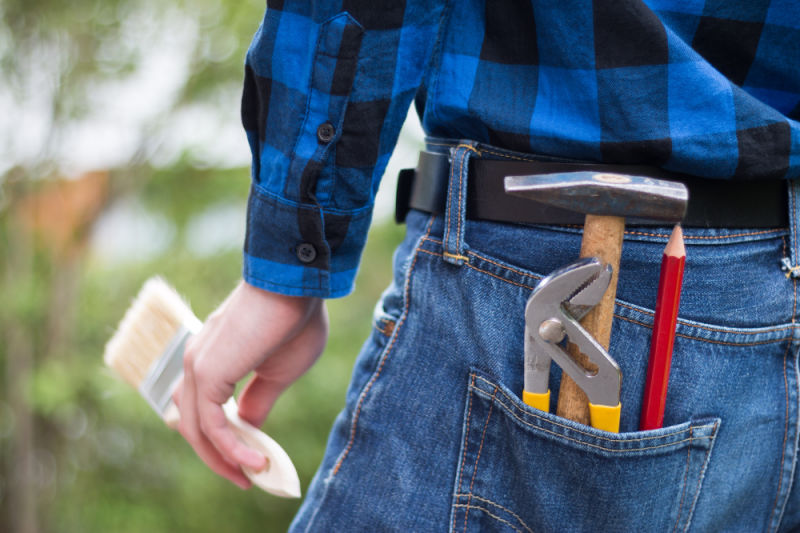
(700, 87)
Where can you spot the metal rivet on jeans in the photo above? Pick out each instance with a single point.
(306, 252)
(325, 132)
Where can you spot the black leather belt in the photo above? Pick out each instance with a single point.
(712, 203)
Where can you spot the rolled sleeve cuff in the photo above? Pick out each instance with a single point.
(296, 280)
(302, 250)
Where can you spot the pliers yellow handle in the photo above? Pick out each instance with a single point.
(603, 417)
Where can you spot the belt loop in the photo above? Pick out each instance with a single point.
(791, 265)
(456, 210)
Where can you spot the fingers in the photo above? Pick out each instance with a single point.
(283, 367)
(232, 343)
(191, 430)
(215, 428)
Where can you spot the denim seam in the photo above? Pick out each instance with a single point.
(789, 327)
(794, 286)
(488, 260)
(446, 234)
(597, 446)
(619, 303)
(388, 326)
(785, 438)
(484, 258)
(499, 519)
(455, 256)
(459, 240)
(794, 216)
(637, 322)
(700, 477)
(713, 341)
(685, 481)
(793, 242)
(449, 208)
(498, 277)
(686, 237)
(464, 446)
(512, 411)
(485, 394)
(527, 275)
(793, 468)
(386, 352)
(495, 504)
(435, 254)
(478, 458)
(708, 237)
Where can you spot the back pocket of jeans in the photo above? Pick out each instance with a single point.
(525, 470)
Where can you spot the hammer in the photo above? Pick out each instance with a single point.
(606, 199)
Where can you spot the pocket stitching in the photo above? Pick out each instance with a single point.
(473, 267)
(700, 476)
(490, 502)
(488, 260)
(499, 513)
(512, 411)
(700, 326)
(478, 458)
(467, 507)
(464, 445)
(711, 329)
(597, 446)
(685, 482)
(388, 326)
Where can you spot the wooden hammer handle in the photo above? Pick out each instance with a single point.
(602, 238)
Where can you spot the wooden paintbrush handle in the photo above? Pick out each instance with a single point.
(279, 477)
(602, 238)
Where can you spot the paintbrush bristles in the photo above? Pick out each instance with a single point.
(146, 330)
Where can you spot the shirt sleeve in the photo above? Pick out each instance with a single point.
(325, 94)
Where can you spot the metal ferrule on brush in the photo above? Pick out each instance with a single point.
(163, 376)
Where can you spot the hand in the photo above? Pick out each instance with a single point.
(275, 336)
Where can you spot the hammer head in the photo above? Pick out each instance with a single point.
(605, 194)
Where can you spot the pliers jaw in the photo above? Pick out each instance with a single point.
(551, 321)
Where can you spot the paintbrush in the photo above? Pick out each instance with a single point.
(147, 352)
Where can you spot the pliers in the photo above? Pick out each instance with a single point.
(551, 320)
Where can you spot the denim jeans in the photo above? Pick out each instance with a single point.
(434, 435)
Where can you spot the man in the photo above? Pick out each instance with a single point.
(433, 434)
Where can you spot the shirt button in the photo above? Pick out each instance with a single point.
(306, 252)
(325, 132)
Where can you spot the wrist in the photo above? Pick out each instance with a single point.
(296, 309)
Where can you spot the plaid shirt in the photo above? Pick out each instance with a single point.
(704, 88)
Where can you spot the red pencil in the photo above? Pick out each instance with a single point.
(669, 296)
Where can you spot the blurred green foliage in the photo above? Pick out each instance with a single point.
(147, 478)
(80, 451)
(103, 460)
